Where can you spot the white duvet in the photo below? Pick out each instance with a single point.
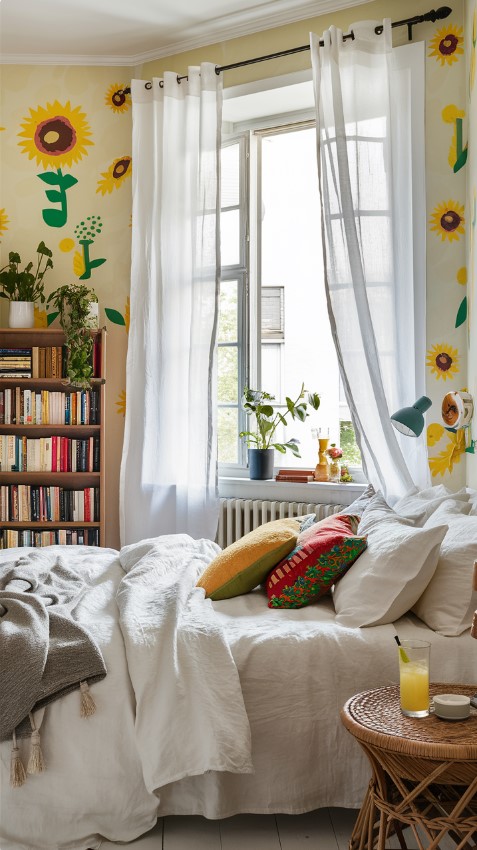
(197, 694)
(170, 706)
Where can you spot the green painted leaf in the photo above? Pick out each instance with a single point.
(115, 316)
(461, 313)
(54, 218)
(50, 177)
(54, 196)
(68, 181)
(51, 317)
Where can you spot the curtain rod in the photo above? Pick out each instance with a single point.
(432, 16)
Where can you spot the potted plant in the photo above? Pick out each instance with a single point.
(261, 445)
(72, 302)
(22, 287)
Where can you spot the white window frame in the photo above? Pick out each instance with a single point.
(233, 478)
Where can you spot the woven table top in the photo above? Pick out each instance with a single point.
(375, 718)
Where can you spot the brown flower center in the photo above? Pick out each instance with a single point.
(55, 136)
(450, 220)
(443, 361)
(448, 45)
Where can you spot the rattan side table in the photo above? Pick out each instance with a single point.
(424, 771)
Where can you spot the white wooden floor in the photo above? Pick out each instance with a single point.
(325, 829)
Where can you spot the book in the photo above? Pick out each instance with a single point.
(296, 479)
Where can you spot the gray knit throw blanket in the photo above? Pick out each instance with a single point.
(44, 652)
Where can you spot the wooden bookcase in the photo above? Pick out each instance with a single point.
(75, 530)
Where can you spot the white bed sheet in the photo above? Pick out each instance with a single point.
(297, 669)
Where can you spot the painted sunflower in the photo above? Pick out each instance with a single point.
(462, 275)
(121, 403)
(447, 44)
(448, 220)
(452, 454)
(4, 222)
(434, 433)
(56, 136)
(116, 99)
(443, 361)
(115, 175)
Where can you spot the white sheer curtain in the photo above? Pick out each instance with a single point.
(373, 205)
(168, 471)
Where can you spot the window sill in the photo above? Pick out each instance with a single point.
(313, 492)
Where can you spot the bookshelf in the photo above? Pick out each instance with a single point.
(52, 445)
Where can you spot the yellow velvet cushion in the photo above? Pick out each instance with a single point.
(247, 562)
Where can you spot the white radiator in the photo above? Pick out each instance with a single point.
(239, 516)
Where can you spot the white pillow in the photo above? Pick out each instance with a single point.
(357, 507)
(448, 603)
(392, 573)
(419, 506)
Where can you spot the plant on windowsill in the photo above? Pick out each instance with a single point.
(261, 445)
(73, 303)
(22, 287)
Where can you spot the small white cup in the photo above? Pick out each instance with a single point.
(452, 706)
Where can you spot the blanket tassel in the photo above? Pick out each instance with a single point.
(88, 705)
(17, 771)
(36, 762)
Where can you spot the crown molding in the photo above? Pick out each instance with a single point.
(223, 29)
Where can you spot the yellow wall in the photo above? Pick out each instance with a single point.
(84, 93)
(471, 89)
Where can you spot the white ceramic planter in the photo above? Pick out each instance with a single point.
(22, 314)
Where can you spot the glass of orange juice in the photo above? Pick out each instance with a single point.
(414, 657)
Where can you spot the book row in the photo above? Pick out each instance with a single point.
(40, 503)
(11, 537)
(43, 361)
(49, 454)
(19, 406)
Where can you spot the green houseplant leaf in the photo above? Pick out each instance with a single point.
(25, 284)
(72, 302)
(257, 403)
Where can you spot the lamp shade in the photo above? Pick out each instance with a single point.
(410, 420)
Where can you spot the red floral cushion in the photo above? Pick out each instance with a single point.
(322, 555)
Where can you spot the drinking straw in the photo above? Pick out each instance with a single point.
(402, 653)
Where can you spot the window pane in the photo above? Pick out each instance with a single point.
(228, 435)
(230, 176)
(228, 374)
(230, 238)
(228, 304)
(351, 452)
(292, 258)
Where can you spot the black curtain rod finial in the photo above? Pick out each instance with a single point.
(437, 14)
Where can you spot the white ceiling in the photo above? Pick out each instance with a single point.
(129, 32)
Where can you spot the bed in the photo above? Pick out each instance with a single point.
(213, 707)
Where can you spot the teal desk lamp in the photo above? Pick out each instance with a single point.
(410, 420)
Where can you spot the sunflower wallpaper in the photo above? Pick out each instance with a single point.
(65, 146)
(471, 211)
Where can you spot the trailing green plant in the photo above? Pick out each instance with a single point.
(268, 417)
(25, 285)
(72, 302)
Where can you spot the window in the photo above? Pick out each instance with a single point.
(274, 329)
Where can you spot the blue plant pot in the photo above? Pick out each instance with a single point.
(260, 463)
